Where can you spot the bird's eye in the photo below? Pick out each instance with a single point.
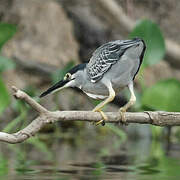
(67, 76)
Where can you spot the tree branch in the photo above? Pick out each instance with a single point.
(159, 118)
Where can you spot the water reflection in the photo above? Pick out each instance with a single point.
(128, 161)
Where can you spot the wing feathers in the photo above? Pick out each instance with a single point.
(102, 60)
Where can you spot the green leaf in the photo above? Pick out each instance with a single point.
(164, 95)
(59, 74)
(6, 32)
(6, 64)
(153, 37)
(4, 96)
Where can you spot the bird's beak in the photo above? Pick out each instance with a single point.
(56, 87)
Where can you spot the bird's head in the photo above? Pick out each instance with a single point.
(72, 78)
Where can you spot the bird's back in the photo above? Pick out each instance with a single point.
(117, 61)
(103, 58)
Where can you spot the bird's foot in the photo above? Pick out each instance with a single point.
(122, 112)
(102, 121)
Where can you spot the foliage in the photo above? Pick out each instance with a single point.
(4, 97)
(152, 35)
(164, 95)
(3, 165)
(6, 32)
(5, 64)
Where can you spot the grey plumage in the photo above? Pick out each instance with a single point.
(106, 56)
(112, 67)
(118, 61)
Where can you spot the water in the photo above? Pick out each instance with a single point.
(92, 159)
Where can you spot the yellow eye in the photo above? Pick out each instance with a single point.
(67, 76)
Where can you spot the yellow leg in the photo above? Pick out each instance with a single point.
(102, 104)
(103, 120)
(132, 100)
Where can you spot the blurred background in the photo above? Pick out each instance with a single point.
(40, 40)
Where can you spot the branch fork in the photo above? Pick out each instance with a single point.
(158, 118)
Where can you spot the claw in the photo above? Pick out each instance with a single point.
(100, 122)
(123, 117)
(103, 116)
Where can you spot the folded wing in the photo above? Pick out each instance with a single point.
(104, 57)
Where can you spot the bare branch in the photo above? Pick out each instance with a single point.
(159, 118)
(22, 95)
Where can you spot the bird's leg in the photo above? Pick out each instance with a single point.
(102, 121)
(102, 104)
(132, 100)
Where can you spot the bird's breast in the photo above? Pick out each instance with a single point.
(96, 96)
